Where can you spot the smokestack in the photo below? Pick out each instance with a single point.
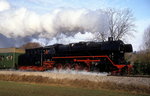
(110, 38)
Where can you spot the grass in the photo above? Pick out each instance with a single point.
(9, 88)
(83, 84)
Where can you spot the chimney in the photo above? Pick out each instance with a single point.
(110, 38)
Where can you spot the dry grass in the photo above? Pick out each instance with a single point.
(76, 83)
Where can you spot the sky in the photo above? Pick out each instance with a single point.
(140, 9)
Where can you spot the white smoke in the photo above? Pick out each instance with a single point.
(4, 5)
(88, 36)
(25, 24)
(78, 72)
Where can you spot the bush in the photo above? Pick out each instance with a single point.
(141, 68)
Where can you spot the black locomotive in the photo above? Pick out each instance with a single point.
(105, 56)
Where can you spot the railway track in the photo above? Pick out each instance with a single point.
(143, 76)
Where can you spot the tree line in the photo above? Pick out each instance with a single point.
(142, 58)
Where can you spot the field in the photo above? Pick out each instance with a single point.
(9, 88)
(21, 83)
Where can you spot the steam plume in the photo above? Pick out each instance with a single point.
(26, 25)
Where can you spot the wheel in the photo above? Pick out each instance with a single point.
(67, 66)
(78, 67)
(59, 66)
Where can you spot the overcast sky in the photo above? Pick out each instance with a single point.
(140, 10)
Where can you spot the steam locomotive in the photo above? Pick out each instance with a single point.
(107, 56)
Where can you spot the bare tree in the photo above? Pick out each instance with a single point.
(146, 39)
(120, 24)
